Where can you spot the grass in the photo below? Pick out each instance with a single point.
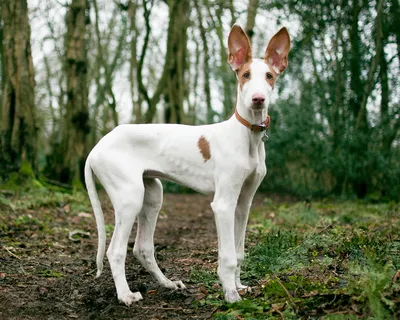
(46, 198)
(321, 260)
(316, 260)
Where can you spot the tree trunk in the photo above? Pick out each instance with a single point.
(18, 126)
(176, 47)
(355, 63)
(77, 127)
(228, 78)
(385, 120)
(361, 91)
(3, 64)
(162, 82)
(136, 103)
(206, 59)
(251, 18)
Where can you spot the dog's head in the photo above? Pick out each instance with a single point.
(256, 77)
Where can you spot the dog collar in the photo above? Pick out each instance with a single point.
(254, 127)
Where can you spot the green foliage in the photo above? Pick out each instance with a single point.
(274, 252)
(24, 179)
(319, 259)
(372, 281)
(205, 277)
(109, 229)
(172, 187)
(32, 194)
(325, 135)
(78, 201)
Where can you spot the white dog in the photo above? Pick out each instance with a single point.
(226, 158)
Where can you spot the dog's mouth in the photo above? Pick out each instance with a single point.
(258, 107)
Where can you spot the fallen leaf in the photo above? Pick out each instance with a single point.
(152, 292)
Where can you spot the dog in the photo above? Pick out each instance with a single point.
(226, 158)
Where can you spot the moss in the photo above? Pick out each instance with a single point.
(26, 170)
(77, 185)
(50, 274)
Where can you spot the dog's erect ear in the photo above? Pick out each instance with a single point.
(277, 50)
(239, 47)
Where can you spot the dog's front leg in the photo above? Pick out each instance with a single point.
(241, 217)
(224, 205)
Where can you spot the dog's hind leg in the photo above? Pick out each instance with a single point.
(144, 243)
(127, 201)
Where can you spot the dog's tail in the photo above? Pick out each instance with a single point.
(98, 213)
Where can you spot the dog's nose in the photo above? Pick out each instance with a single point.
(258, 98)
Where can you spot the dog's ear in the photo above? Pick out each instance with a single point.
(277, 50)
(239, 47)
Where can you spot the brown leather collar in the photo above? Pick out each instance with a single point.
(254, 127)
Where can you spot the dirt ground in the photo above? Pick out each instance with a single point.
(46, 275)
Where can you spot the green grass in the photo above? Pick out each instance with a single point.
(328, 259)
(320, 260)
(46, 198)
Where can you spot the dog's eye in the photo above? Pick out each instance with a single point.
(246, 75)
(269, 76)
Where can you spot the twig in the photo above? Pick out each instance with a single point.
(284, 288)
(280, 313)
(323, 229)
(13, 254)
(57, 183)
(77, 232)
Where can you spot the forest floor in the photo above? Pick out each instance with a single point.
(324, 259)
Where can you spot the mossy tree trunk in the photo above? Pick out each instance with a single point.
(76, 128)
(19, 129)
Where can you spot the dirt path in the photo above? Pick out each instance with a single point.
(45, 275)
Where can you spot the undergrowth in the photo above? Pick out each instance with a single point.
(322, 260)
(44, 197)
(313, 260)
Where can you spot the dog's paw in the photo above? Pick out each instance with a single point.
(232, 296)
(130, 298)
(175, 285)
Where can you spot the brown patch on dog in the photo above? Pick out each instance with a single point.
(204, 147)
(241, 74)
